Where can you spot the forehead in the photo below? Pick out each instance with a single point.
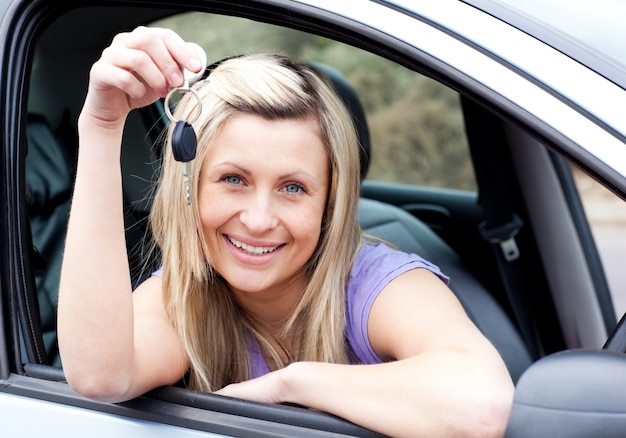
(252, 139)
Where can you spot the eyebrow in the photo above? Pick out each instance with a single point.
(246, 171)
(228, 163)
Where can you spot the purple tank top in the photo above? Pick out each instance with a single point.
(375, 266)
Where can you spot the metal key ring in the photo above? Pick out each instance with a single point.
(185, 89)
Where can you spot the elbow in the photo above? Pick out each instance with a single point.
(93, 377)
(492, 422)
(490, 413)
(100, 387)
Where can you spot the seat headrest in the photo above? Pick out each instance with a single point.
(351, 100)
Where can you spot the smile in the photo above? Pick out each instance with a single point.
(255, 250)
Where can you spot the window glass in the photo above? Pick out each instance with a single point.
(416, 125)
(607, 217)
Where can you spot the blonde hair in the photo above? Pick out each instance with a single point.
(214, 330)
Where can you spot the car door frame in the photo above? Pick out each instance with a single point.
(316, 16)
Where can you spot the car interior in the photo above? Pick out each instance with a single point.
(495, 241)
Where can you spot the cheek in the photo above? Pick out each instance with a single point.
(305, 225)
(209, 225)
(207, 220)
(212, 210)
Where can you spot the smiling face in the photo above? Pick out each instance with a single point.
(262, 195)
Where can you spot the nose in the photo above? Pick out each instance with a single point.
(258, 214)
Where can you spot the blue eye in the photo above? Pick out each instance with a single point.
(232, 179)
(294, 188)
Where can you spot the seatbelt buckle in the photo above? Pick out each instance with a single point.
(509, 249)
(503, 235)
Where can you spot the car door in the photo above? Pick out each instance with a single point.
(444, 52)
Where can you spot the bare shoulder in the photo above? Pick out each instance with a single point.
(417, 312)
(147, 298)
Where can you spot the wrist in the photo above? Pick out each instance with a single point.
(107, 113)
(100, 139)
(87, 121)
(292, 383)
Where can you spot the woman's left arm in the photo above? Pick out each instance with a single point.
(443, 378)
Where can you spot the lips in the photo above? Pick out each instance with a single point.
(253, 250)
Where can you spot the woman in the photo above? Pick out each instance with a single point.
(267, 292)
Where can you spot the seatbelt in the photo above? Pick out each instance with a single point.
(486, 139)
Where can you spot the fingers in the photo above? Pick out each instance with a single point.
(135, 70)
(154, 56)
(184, 53)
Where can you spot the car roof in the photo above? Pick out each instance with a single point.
(590, 31)
(598, 24)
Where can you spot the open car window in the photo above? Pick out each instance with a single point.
(415, 126)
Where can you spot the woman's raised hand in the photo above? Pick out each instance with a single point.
(134, 71)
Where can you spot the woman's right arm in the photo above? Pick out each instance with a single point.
(115, 344)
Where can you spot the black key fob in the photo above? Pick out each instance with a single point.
(184, 142)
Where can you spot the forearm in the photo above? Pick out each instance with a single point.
(433, 394)
(95, 322)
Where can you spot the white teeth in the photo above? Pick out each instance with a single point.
(251, 249)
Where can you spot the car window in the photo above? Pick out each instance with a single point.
(415, 123)
(606, 214)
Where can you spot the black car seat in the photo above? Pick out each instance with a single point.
(409, 234)
(49, 177)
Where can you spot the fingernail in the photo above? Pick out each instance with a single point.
(176, 79)
(194, 63)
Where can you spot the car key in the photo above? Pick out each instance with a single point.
(184, 145)
(184, 142)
